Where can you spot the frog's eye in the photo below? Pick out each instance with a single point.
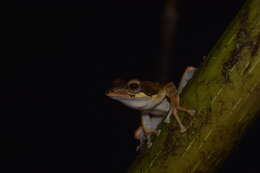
(134, 85)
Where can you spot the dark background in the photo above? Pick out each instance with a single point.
(55, 117)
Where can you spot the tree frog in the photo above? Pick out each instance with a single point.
(155, 101)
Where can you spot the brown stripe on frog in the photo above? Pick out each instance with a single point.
(150, 88)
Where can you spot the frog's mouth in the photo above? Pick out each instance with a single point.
(118, 94)
(124, 94)
(134, 100)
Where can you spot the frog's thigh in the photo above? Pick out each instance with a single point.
(186, 77)
(156, 121)
(139, 132)
(147, 123)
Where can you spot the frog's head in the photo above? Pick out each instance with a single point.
(135, 93)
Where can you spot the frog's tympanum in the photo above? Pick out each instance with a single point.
(156, 102)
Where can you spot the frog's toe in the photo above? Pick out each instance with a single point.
(183, 129)
(192, 112)
(138, 148)
(158, 132)
(149, 144)
(167, 120)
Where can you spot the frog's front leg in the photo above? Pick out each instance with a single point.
(144, 138)
(148, 128)
(177, 105)
(139, 135)
(168, 116)
(172, 94)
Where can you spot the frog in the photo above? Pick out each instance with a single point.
(156, 101)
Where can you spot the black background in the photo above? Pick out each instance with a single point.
(55, 117)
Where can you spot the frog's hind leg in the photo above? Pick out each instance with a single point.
(156, 120)
(186, 77)
(149, 127)
(182, 127)
(174, 98)
(177, 105)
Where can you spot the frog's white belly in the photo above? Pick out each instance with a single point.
(152, 106)
(161, 109)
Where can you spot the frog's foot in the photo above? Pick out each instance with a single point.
(149, 144)
(158, 132)
(183, 129)
(141, 144)
(167, 120)
(138, 148)
(139, 135)
(191, 112)
(149, 141)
